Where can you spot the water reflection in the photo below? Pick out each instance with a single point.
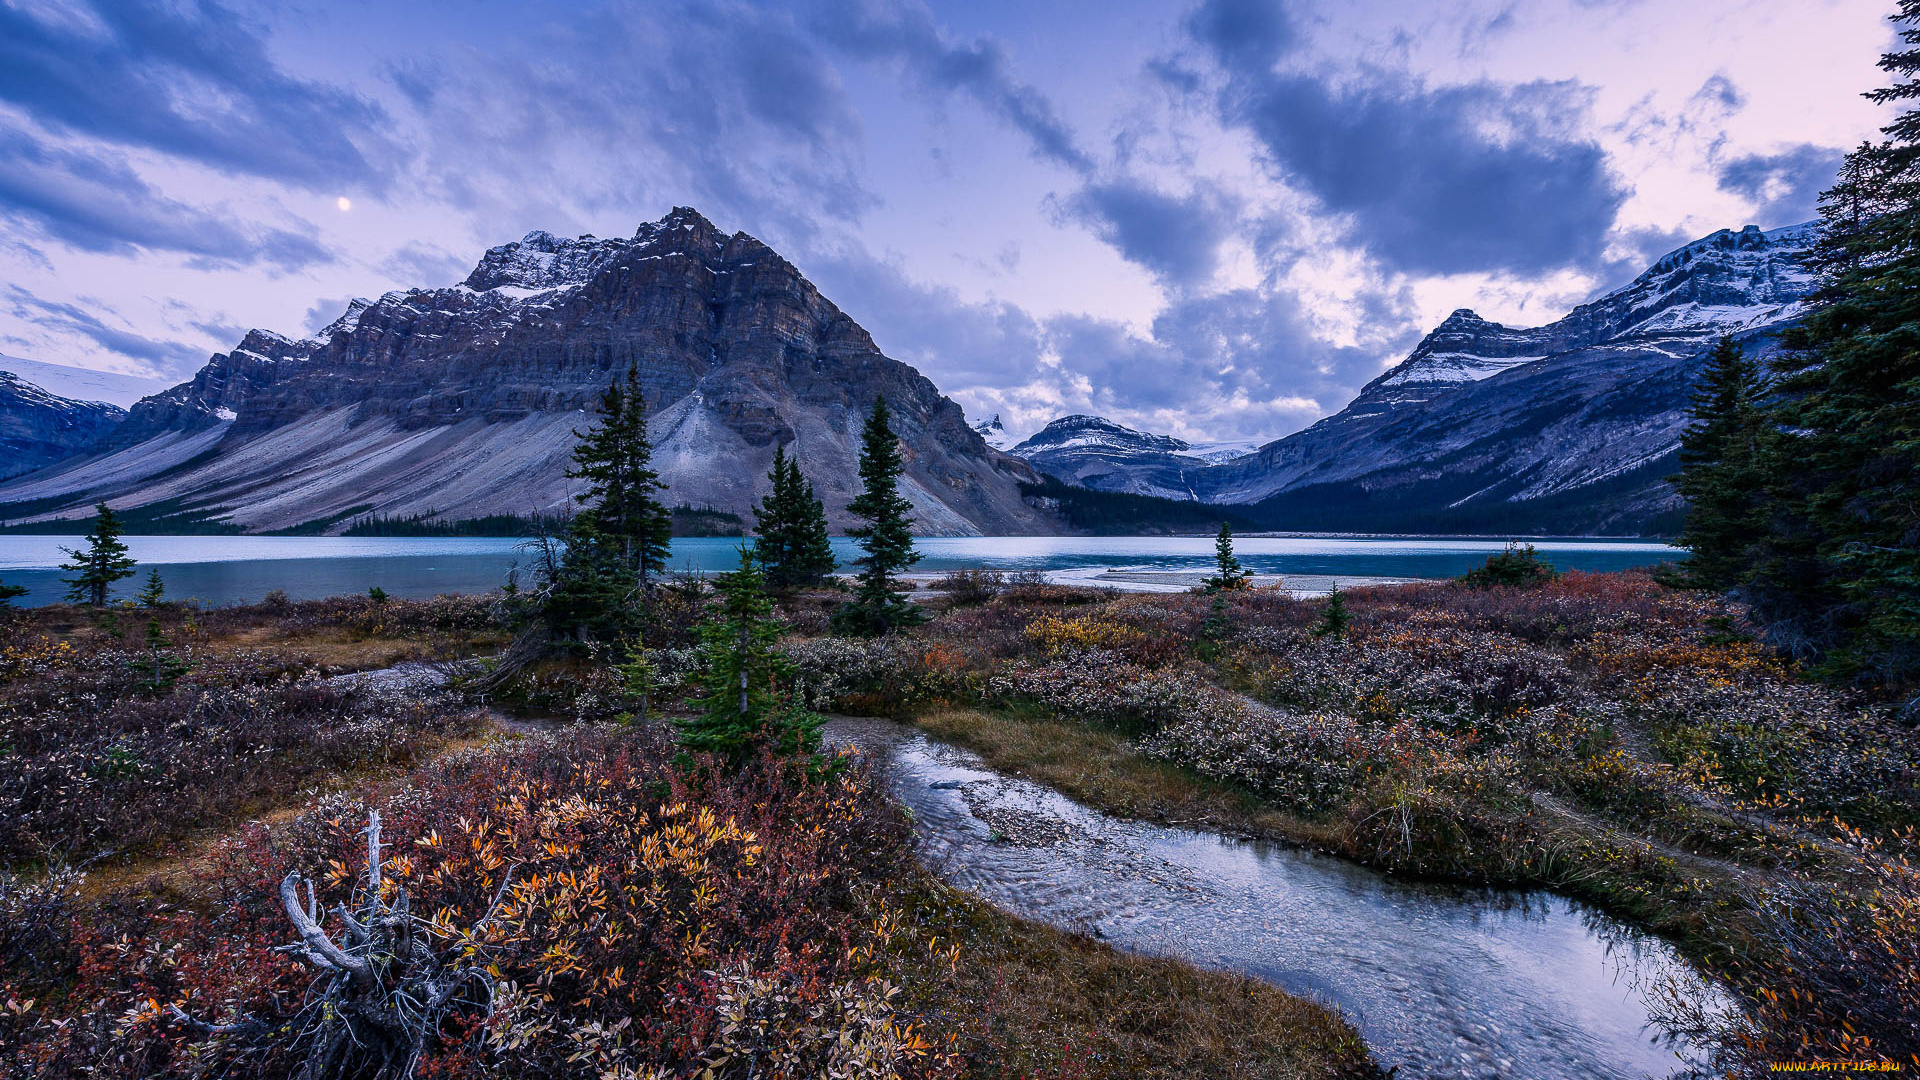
(1442, 981)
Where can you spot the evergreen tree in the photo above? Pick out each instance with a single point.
(1334, 620)
(9, 592)
(154, 592)
(159, 668)
(743, 709)
(1228, 573)
(1838, 571)
(104, 561)
(1720, 469)
(877, 607)
(619, 538)
(791, 525)
(813, 558)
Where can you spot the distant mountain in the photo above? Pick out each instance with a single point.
(83, 384)
(1568, 427)
(38, 428)
(994, 433)
(1097, 453)
(461, 401)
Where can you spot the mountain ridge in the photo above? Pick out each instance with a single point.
(463, 399)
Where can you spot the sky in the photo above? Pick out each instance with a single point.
(1216, 220)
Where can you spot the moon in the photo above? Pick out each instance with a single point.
(343, 203)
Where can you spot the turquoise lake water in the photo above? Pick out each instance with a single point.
(239, 569)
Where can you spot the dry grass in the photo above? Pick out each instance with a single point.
(336, 650)
(1102, 768)
(1047, 1003)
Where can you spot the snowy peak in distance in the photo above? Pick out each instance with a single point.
(1091, 432)
(994, 432)
(1727, 282)
(1095, 452)
(84, 384)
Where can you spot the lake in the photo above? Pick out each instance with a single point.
(239, 569)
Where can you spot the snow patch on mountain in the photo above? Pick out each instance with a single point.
(83, 384)
(994, 432)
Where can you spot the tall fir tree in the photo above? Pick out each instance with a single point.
(618, 540)
(1228, 573)
(103, 562)
(1720, 469)
(743, 708)
(813, 558)
(878, 606)
(1838, 570)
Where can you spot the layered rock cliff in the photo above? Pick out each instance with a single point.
(461, 401)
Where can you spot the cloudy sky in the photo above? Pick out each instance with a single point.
(1215, 220)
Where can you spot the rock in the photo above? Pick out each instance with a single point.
(38, 428)
(461, 401)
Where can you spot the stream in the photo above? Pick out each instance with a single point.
(1442, 981)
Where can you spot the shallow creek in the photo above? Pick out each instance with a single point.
(1442, 982)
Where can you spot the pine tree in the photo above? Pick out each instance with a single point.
(1720, 469)
(743, 709)
(1228, 573)
(887, 539)
(620, 537)
(1838, 571)
(154, 592)
(104, 561)
(812, 557)
(791, 528)
(159, 667)
(776, 521)
(620, 507)
(8, 593)
(1334, 620)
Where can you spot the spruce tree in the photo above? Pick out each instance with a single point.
(103, 562)
(743, 709)
(776, 522)
(1228, 573)
(792, 542)
(620, 507)
(8, 593)
(159, 668)
(1720, 469)
(618, 540)
(812, 556)
(1839, 569)
(887, 538)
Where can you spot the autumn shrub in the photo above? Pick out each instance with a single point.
(95, 763)
(1832, 973)
(965, 588)
(633, 922)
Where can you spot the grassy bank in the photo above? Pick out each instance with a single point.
(1600, 735)
(638, 917)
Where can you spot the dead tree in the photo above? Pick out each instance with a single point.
(384, 982)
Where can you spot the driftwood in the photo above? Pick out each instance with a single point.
(381, 988)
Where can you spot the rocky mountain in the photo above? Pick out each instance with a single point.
(994, 433)
(1568, 427)
(84, 384)
(38, 428)
(1097, 453)
(461, 401)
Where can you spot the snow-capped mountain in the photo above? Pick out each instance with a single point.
(38, 428)
(1097, 453)
(83, 384)
(994, 433)
(462, 400)
(1572, 424)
